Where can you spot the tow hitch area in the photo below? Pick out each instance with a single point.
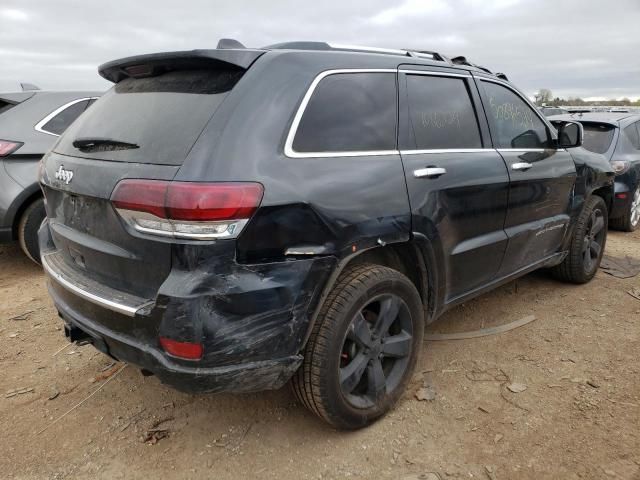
(75, 334)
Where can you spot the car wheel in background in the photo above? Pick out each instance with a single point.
(631, 219)
(587, 245)
(28, 226)
(363, 347)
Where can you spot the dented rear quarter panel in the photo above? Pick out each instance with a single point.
(593, 173)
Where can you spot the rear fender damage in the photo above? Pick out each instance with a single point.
(240, 313)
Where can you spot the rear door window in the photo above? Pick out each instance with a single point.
(597, 137)
(350, 112)
(513, 123)
(160, 116)
(441, 113)
(60, 122)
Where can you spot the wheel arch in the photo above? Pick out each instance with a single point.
(20, 204)
(416, 259)
(606, 193)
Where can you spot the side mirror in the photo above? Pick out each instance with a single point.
(570, 135)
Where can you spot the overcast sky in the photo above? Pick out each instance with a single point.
(586, 48)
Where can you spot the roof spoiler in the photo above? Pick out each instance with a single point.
(157, 63)
(16, 97)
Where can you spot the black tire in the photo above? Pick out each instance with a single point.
(335, 348)
(28, 226)
(587, 245)
(630, 221)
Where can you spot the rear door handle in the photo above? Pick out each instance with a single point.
(521, 166)
(429, 172)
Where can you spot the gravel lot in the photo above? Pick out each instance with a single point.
(578, 417)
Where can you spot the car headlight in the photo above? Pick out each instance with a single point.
(620, 167)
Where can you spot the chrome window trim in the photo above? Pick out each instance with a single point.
(434, 74)
(447, 150)
(523, 149)
(39, 126)
(103, 302)
(356, 153)
(288, 146)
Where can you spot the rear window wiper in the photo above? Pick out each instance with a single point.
(102, 145)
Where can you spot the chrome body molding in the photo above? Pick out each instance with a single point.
(129, 310)
(39, 126)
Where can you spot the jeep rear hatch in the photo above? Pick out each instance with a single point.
(158, 107)
(140, 131)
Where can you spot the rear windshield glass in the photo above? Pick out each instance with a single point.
(156, 119)
(597, 138)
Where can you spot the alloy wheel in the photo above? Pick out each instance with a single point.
(593, 240)
(635, 208)
(376, 351)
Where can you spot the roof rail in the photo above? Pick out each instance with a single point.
(426, 54)
(429, 54)
(359, 48)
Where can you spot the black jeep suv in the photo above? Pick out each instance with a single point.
(233, 219)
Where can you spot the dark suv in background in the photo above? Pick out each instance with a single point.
(30, 122)
(232, 219)
(617, 137)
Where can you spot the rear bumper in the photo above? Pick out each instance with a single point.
(244, 377)
(620, 206)
(252, 320)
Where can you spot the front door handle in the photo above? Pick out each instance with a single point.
(429, 172)
(521, 166)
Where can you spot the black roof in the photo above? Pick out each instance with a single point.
(233, 53)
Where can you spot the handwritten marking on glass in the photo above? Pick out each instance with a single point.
(440, 119)
(513, 113)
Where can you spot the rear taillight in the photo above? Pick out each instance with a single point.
(619, 167)
(188, 210)
(7, 147)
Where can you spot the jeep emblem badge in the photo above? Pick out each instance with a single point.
(64, 175)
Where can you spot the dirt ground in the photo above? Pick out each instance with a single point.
(579, 416)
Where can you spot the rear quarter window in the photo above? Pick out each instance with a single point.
(350, 112)
(597, 137)
(60, 122)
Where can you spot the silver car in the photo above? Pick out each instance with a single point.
(30, 123)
